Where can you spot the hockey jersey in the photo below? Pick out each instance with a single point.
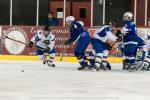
(129, 28)
(39, 38)
(130, 31)
(77, 30)
(104, 34)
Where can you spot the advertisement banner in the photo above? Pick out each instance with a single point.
(23, 34)
(0, 39)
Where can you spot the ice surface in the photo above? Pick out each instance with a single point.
(39, 82)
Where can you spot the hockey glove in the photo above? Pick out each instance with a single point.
(119, 39)
(119, 36)
(30, 44)
(68, 42)
(46, 50)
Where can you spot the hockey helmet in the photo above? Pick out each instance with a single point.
(47, 28)
(70, 19)
(128, 15)
(113, 23)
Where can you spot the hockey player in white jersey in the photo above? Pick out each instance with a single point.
(102, 41)
(45, 41)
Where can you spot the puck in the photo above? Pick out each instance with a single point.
(22, 70)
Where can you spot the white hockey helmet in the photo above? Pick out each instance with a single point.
(70, 19)
(128, 14)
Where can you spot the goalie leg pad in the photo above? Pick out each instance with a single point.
(145, 66)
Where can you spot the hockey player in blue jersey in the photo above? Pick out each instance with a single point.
(45, 41)
(102, 41)
(80, 37)
(131, 42)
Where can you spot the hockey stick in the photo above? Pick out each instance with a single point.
(21, 42)
(62, 54)
(64, 50)
(16, 40)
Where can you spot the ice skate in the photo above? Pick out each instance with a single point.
(50, 64)
(85, 66)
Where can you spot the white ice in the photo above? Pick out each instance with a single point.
(39, 82)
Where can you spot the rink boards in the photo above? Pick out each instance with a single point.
(35, 58)
(11, 50)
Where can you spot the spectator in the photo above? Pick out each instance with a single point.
(51, 20)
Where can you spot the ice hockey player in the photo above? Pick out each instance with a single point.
(45, 41)
(80, 37)
(145, 65)
(148, 42)
(103, 39)
(131, 42)
(148, 47)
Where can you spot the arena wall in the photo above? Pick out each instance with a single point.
(0, 39)
(12, 50)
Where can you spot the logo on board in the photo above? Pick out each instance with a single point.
(15, 37)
